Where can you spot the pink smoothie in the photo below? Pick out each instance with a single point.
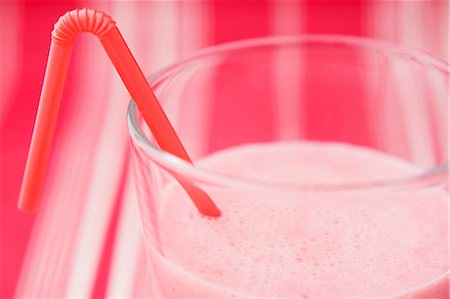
(365, 243)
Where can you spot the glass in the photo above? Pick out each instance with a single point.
(308, 88)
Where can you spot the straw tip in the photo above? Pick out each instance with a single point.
(26, 208)
(201, 200)
(204, 203)
(211, 212)
(25, 211)
(26, 203)
(206, 206)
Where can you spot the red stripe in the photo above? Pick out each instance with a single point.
(337, 17)
(238, 113)
(335, 108)
(233, 21)
(15, 135)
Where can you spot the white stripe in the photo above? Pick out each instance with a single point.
(286, 19)
(129, 242)
(194, 26)
(152, 39)
(438, 100)
(413, 111)
(100, 193)
(444, 24)
(194, 33)
(382, 19)
(108, 162)
(417, 142)
(418, 130)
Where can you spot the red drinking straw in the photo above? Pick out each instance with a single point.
(64, 33)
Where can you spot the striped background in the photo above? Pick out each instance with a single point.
(85, 241)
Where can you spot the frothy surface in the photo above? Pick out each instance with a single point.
(341, 244)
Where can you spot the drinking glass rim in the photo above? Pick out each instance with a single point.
(429, 176)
